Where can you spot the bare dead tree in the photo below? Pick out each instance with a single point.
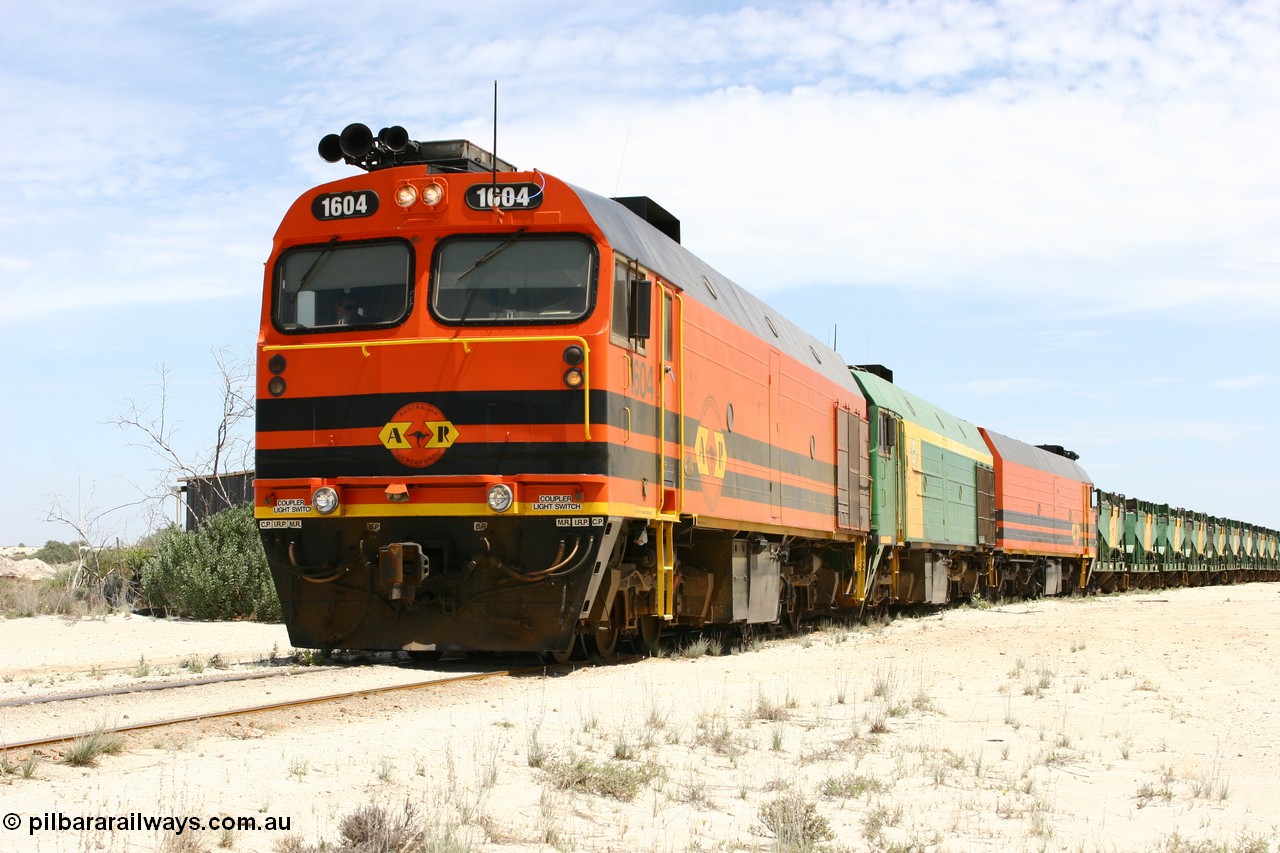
(87, 521)
(230, 451)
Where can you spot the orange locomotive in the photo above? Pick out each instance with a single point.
(497, 412)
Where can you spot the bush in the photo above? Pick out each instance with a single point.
(67, 593)
(217, 572)
(795, 823)
(372, 829)
(58, 553)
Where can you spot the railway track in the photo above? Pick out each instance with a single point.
(27, 715)
(23, 701)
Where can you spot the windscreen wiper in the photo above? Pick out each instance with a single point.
(491, 254)
(315, 265)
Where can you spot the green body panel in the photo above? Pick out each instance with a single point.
(949, 496)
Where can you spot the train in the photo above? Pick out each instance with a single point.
(499, 412)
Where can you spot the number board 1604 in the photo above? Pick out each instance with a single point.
(352, 205)
(517, 196)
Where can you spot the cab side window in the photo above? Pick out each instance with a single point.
(627, 298)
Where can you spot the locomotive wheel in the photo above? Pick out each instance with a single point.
(649, 634)
(561, 657)
(601, 645)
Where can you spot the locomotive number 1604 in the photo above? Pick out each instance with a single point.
(351, 205)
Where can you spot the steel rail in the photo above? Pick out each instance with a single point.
(161, 685)
(274, 706)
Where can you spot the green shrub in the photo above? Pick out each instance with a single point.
(58, 553)
(217, 572)
(795, 823)
(67, 593)
(618, 779)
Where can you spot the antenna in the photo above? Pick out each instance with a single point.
(495, 134)
(626, 140)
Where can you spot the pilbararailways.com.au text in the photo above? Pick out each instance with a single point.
(140, 822)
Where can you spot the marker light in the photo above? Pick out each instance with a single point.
(432, 194)
(500, 497)
(324, 500)
(573, 378)
(406, 194)
(275, 387)
(573, 355)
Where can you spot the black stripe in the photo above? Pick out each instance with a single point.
(1011, 517)
(1017, 535)
(365, 411)
(743, 487)
(469, 408)
(571, 458)
(554, 458)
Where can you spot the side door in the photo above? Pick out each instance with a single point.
(853, 475)
(886, 498)
(985, 478)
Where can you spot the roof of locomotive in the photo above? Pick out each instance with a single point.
(634, 237)
(1021, 453)
(884, 394)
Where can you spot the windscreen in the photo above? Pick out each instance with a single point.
(513, 279)
(337, 285)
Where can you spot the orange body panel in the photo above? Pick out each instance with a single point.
(1039, 509)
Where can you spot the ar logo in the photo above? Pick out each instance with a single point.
(418, 434)
(711, 452)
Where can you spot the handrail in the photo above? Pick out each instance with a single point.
(364, 346)
(678, 380)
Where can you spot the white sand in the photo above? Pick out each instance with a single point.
(1129, 723)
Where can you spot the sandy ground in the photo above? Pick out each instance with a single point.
(1142, 722)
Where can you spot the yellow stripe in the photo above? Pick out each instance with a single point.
(456, 510)
(915, 430)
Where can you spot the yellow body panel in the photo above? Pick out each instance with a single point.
(913, 490)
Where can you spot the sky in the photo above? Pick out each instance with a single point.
(1058, 220)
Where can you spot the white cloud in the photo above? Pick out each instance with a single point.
(1251, 382)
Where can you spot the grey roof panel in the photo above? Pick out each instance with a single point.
(632, 236)
(1021, 453)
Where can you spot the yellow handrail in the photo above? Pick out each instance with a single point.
(665, 548)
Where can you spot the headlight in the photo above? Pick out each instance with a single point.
(406, 194)
(324, 500)
(500, 497)
(432, 194)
